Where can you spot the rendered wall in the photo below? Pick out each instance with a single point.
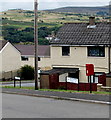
(10, 58)
(77, 59)
(29, 62)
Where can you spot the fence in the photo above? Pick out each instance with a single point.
(9, 75)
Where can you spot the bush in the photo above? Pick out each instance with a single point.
(62, 88)
(27, 72)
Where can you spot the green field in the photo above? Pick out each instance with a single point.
(15, 22)
(24, 18)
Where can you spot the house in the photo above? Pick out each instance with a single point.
(13, 57)
(74, 46)
(78, 44)
(9, 60)
(27, 55)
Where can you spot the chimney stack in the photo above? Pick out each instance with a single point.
(91, 20)
(52, 34)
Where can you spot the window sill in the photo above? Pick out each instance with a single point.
(24, 60)
(96, 57)
(66, 56)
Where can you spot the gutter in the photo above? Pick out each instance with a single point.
(38, 56)
(78, 45)
(33, 94)
(109, 68)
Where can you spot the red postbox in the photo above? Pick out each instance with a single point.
(89, 69)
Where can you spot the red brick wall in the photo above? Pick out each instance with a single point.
(82, 86)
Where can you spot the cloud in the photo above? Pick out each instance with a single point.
(40, 1)
(8, 1)
(74, 1)
(49, 4)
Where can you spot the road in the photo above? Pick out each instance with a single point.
(19, 106)
(23, 83)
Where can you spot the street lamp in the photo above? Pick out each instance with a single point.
(36, 43)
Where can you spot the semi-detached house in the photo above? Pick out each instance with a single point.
(78, 44)
(74, 46)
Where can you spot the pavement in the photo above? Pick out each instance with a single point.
(83, 97)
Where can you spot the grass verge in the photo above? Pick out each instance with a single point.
(58, 90)
(17, 87)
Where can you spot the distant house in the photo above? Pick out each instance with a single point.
(27, 55)
(78, 44)
(13, 57)
(9, 59)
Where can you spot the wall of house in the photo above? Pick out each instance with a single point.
(9, 59)
(29, 62)
(0, 65)
(44, 63)
(77, 59)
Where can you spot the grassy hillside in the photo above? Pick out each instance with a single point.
(17, 25)
(24, 18)
(86, 10)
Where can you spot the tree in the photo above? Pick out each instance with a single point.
(43, 41)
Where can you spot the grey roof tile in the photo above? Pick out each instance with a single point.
(43, 50)
(79, 34)
(2, 43)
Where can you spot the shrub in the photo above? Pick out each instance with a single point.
(62, 88)
(27, 72)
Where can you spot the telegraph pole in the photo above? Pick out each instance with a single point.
(36, 42)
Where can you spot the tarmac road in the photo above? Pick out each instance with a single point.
(19, 106)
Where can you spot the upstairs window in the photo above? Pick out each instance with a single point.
(38, 58)
(24, 58)
(65, 50)
(96, 51)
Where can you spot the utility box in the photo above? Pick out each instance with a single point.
(108, 80)
(49, 80)
(44, 81)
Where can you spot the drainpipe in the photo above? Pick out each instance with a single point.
(109, 59)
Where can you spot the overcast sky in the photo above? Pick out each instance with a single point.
(49, 4)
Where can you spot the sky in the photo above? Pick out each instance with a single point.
(49, 4)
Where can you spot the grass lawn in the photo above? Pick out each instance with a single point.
(58, 90)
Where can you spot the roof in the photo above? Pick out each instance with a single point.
(79, 34)
(60, 71)
(2, 44)
(43, 50)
